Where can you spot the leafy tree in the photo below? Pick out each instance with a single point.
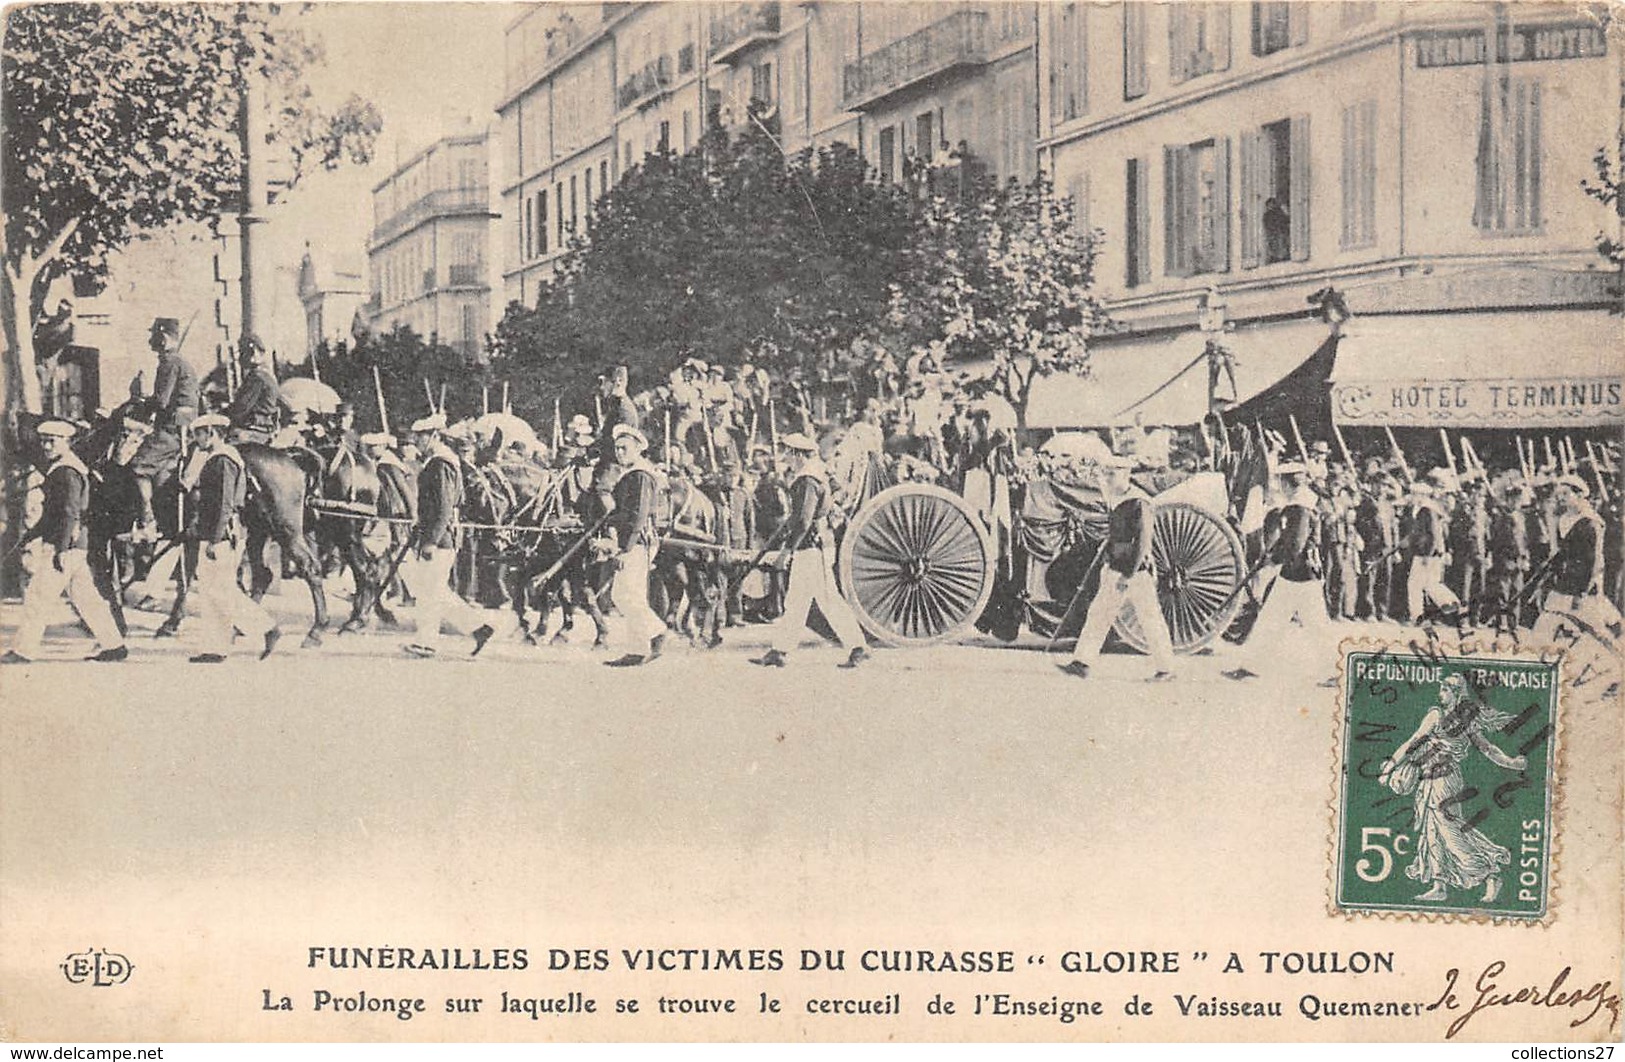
(406, 361)
(1001, 277)
(732, 252)
(1606, 189)
(121, 118)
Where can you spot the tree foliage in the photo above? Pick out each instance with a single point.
(406, 362)
(732, 252)
(123, 118)
(1606, 189)
(1001, 278)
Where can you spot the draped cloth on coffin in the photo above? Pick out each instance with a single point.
(1060, 530)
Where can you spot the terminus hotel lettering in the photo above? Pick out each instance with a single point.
(1515, 44)
(1507, 395)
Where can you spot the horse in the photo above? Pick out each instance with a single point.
(698, 573)
(564, 512)
(274, 511)
(344, 528)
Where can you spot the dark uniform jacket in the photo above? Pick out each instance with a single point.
(1128, 536)
(1509, 542)
(632, 518)
(1579, 555)
(1295, 547)
(1427, 531)
(256, 406)
(803, 523)
(221, 488)
(67, 496)
(175, 389)
(440, 496)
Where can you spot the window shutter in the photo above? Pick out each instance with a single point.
(1299, 206)
(1218, 34)
(1250, 201)
(1221, 202)
(1134, 31)
(1347, 175)
(1078, 189)
(1179, 46)
(1172, 208)
(1298, 22)
(1533, 151)
(1142, 218)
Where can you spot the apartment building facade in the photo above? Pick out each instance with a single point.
(593, 88)
(1422, 159)
(429, 257)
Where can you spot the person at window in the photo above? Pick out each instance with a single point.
(1277, 232)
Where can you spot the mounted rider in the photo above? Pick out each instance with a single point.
(255, 412)
(175, 395)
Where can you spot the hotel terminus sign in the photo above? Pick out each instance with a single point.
(1514, 44)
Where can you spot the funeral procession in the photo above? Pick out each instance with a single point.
(1087, 344)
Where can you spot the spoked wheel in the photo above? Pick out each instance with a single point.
(916, 565)
(1200, 564)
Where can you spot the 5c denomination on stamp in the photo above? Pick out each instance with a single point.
(1446, 774)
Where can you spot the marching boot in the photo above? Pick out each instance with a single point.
(772, 658)
(858, 656)
(116, 655)
(481, 636)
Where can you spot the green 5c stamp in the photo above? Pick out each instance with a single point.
(1445, 794)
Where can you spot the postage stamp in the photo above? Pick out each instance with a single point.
(1446, 774)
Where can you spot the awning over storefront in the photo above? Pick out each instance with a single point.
(1539, 369)
(1164, 381)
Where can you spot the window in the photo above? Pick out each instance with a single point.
(468, 173)
(586, 189)
(1359, 174)
(1137, 222)
(1015, 131)
(794, 76)
(887, 150)
(1198, 39)
(1196, 186)
(688, 131)
(471, 328)
(1078, 189)
(761, 86)
(1275, 193)
(575, 214)
(603, 175)
(1135, 81)
(1509, 149)
(925, 136)
(526, 219)
(558, 197)
(663, 141)
(1068, 80)
(1279, 25)
(541, 221)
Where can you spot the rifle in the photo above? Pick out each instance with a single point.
(575, 547)
(1596, 472)
(1303, 451)
(1342, 444)
(378, 389)
(1410, 477)
(1450, 456)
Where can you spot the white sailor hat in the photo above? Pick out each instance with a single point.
(626, 431)
(211, 420)
(579, 423)
(377, 438)
(797, 441)
(1574, 483)
(1290, 468)
(433, 422)
(56, 429)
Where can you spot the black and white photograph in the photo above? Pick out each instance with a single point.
(809, 522)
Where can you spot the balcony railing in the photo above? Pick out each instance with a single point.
(645, 84)
(434, 204)
(960, 39)
(464, 273)
(569, 31)
(739, 26)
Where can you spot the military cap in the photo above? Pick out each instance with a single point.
(1574, 483)
(433, 422)
(626, 431)
(799, 442)
(168, 326)
(56, 429)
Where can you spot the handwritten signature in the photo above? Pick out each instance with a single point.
(1490, 995)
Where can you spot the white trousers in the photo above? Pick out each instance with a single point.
(1137, 592)
(631, 593)
(1427, 584)
(222, 605)
(46, 587)
(429, 582)
(812, 582)
(1274, 637)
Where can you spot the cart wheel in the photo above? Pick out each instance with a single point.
(916, 565)
(1200, 563)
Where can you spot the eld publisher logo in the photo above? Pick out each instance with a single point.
(101, 968)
